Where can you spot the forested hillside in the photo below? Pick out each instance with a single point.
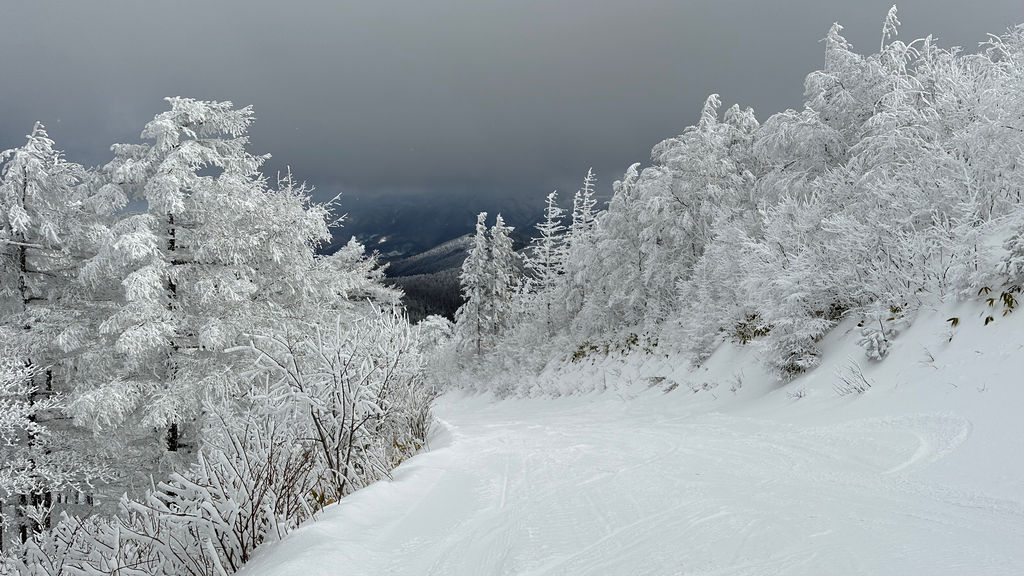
(897, 184)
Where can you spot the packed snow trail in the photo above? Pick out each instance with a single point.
(921, 474)
(602, 486)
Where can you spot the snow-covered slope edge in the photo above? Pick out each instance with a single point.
(919, 474)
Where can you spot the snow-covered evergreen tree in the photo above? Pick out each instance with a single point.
(489, 283)
(503, 277)
(49, 220)
(545, 262)
(615, 261)
(217, 254)
(579, 240)
(471, 321)
(583, 215)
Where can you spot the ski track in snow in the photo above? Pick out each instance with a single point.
(603, 487)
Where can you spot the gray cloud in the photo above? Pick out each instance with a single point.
(463, 94)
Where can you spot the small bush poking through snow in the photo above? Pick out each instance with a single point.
(851, 379)
(879, 329)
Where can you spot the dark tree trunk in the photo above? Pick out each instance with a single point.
(172, 288)
(172, 437)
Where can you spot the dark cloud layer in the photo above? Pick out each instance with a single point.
(433, 95)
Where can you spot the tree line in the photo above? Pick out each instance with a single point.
(896, 186)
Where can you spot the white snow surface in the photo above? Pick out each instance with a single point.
(921, 474)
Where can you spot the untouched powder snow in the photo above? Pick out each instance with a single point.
(921, 474)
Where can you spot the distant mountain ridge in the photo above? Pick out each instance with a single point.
(399, 225)
(430, 279)
(424, 238)
(444, 256)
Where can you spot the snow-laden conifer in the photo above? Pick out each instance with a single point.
(545, 260)
(50, 219)
(217, 254)
(471, 320)
(583, 214)
(545, 263)
(503, 276)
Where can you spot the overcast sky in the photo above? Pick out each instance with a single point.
(434, 95)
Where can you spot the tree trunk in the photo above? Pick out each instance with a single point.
(172, 288)
(172, 437)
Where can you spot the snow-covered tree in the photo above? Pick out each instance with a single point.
(354, 387)
(583, 214)
(217, 254)
(1012, 264)
(503, 277)
(22, 438)
(50, 218)
(545, 260)
(615, 261)
(41, 208)
(471, 320)
(41, 467)
(659, 222)
(489, 283)
(578, 241)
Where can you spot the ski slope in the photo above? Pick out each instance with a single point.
(922, 474)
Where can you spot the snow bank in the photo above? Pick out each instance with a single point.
(718, 470)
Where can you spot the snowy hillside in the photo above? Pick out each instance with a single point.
(444, 256)
(401, 224)
(920, 474)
